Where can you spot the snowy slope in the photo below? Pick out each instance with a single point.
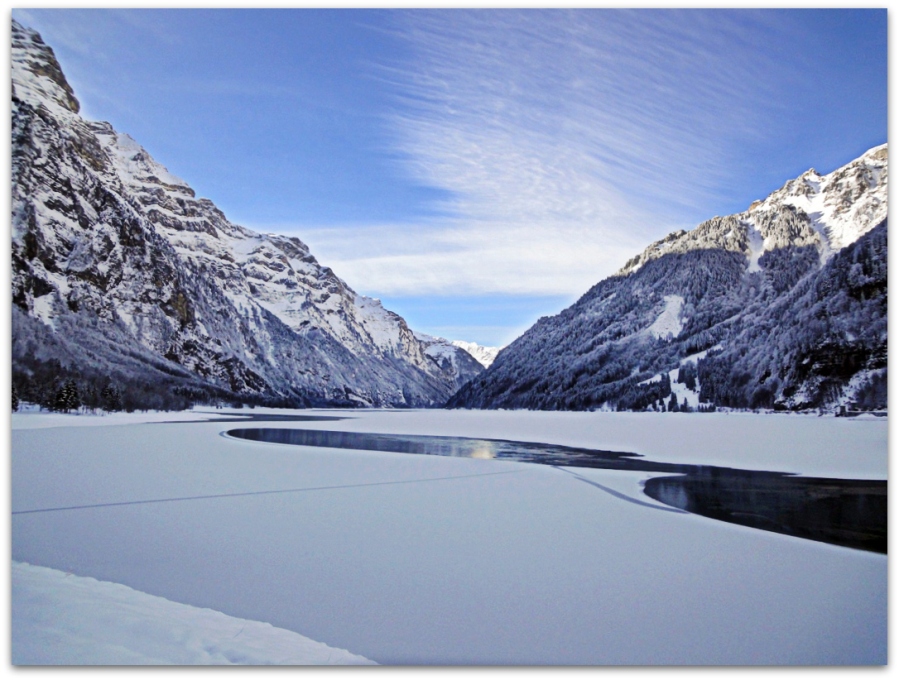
(668, 324)
(62, 619)
(111, 250)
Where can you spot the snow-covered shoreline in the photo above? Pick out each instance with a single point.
(64, 619)
(32, 417)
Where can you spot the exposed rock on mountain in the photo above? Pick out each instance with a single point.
(122, 276)
(457, 364)
(782, 306)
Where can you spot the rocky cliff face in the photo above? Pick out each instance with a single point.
(782, 306)
(121, 274)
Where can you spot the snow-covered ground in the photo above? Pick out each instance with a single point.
(62, 619)
(31, 417)
(408, 559)
(668, 323)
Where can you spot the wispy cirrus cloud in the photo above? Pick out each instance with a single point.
(574, 114)
(564, 140)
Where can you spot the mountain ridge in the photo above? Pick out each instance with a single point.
(111, 248)
(679, 320)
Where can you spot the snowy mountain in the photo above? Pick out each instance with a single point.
(458, 365)
(124, 279)
(484, 355)
(782, 306)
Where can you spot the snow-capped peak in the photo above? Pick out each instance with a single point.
(844, 204)
(37, 76)
(484, 355)
(828, 211)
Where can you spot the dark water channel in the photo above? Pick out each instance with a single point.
(846, 512)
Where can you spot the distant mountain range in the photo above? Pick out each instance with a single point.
(782, 306)
(125, 282)
(484, 355)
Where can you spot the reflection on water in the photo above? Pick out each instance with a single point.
(847, 512)
(484, 453)
(460, 447)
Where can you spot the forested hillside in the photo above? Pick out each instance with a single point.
(783, 307)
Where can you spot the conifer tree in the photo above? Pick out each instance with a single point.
(112, 399)
(67, 398)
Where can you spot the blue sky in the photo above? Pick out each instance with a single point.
(478, 169)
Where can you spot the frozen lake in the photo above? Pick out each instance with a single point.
(847, 512)
(444, 560)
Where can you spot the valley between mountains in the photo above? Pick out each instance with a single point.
(434, 501)
(135, 293)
